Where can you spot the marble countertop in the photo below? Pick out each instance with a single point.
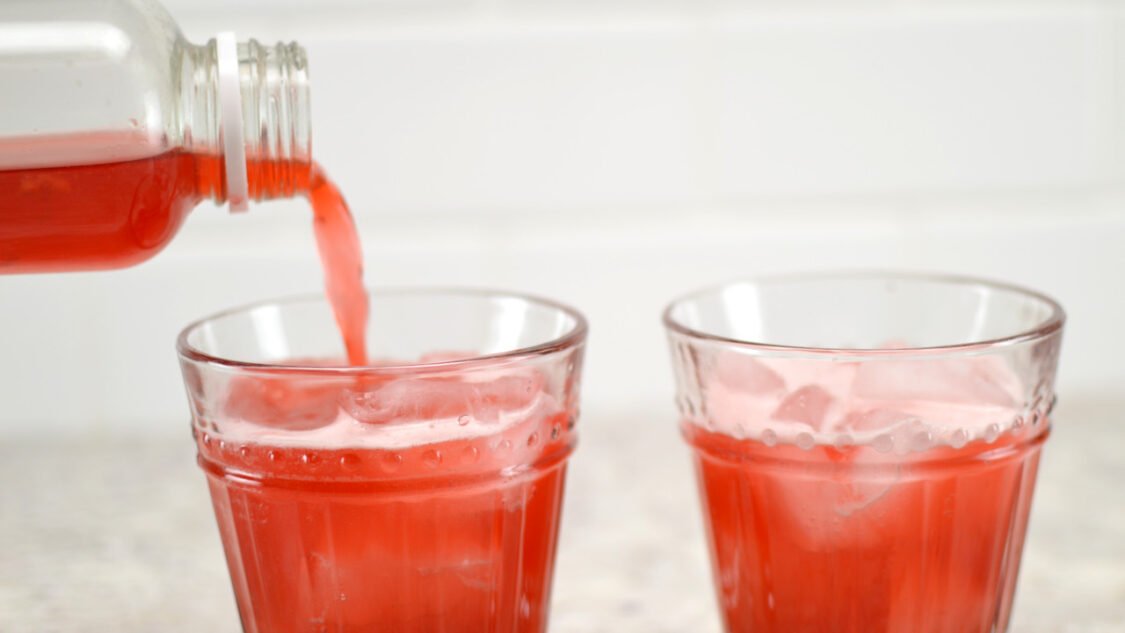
(112, 533)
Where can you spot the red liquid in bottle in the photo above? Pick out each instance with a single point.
(116, 214)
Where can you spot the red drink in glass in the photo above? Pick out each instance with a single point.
(419, 496)
(865, 489)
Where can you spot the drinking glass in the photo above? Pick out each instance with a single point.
(866, 446)
(420, 493)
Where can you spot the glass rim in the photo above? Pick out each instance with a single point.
(573, 337)
(1052, 324)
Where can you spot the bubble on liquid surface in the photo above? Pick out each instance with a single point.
(532, 440)
(922, 440)
(463, 420)
(959, 438)
(991, 432)
(806, 441)
(349, 460)
(884, 443)
(769, 437)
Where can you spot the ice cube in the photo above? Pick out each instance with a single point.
(437, 398)
(975, 380)
(747, 375)
(284, 401)
(809, 405)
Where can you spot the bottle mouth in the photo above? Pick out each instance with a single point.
(275, 114)
(248, 104)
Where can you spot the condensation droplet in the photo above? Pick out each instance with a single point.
(805, 441)
(348, 460)
(244, 452)
(463, 420)
(884, 443)
(432, 458)
(272, 455)
(959, 438)
(571, 420)
(769, 437)
(470, 455)
(391, 462)
(206, 440)
(1018, 422)
(1035, 418)
(222, 445)
(310, 459)
(556, 431)
(532, 440)
(505, 445)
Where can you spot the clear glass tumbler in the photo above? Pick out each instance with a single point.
(866, 446)
(419, 494)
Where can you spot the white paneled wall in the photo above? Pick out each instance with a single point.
(614, 154)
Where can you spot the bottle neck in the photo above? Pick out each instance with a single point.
(276, 130)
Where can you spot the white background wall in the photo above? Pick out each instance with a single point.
(614, 154)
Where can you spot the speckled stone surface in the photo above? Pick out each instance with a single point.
(114, 534)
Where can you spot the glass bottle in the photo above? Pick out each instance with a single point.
(114, 127)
